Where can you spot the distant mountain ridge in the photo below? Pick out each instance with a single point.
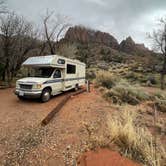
(94, 47)
(84, 35)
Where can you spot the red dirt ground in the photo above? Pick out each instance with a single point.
(104, 157)
(64, 137)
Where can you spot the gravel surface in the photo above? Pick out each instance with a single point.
(23, 141)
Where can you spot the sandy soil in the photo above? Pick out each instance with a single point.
(23, 141)
(17, 116)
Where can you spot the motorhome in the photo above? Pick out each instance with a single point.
(50, 75)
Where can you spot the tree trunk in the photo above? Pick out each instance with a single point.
(162, 81)
(163, 72)
(4, 75)
(7, 68)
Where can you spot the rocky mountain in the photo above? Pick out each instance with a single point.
(129, 46)
(80, 34)
(94, 47)
(84, 35)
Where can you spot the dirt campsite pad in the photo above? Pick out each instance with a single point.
(23, 141)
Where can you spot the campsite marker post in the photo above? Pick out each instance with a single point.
(88, 86)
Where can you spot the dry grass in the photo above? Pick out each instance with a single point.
(131, 139)
(134, 141)
(95, 137)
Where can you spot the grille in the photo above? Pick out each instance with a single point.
(25, 86)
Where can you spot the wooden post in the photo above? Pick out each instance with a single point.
(155, 135)
(88, 86)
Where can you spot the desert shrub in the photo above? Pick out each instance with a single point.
(105, 51)
(141, 78)
(159, 95)
(105, 79)
(131, 75)
(123, 92)
(134, 141)
(161, 105)
(159, 100)
(106, 54)
(118, 58)
(90, 74)
(152, 80)
(102, 89)
(136, 77)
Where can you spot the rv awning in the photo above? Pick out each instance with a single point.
(50, 61)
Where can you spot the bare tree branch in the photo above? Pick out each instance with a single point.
(159, 39)
(54, 27)
(18, 39)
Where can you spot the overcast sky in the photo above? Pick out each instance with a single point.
(120, 18)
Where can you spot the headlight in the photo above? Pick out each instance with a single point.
(37, 86)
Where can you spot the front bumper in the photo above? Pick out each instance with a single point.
(28, 94)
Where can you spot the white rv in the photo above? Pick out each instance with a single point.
(50, 75)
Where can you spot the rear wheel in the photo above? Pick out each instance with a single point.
(76, 87)
(46, 95)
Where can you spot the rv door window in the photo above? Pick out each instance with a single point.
(57, 74)
(71, 69)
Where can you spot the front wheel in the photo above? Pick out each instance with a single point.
(46, 95)
(21, 97)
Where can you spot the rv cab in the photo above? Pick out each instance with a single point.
(49, 76)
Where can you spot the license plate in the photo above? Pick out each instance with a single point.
(21, 93)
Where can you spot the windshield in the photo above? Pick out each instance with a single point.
(43, 72)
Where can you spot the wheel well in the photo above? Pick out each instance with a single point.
(48, 87)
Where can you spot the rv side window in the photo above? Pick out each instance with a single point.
(71, 69)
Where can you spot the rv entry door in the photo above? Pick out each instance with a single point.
(58, 81)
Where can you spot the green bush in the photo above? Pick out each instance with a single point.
(105, 79)
(131, 76)
(123, 92)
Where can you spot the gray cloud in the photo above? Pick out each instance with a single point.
(120, 18)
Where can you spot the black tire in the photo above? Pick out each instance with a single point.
(76, 87)
(46, 95)
(21, 97)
